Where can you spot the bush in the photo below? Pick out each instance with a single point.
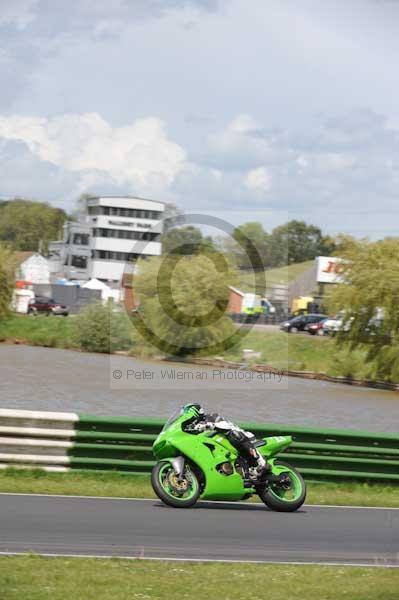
(97, 328)
(7, 269)
(369, 298)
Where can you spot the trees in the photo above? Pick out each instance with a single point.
(185, 241)
(252, 250)
(7, 276)
(370, 298)
(251, 247)
(182, 303)
(296, 241)
(25, 224)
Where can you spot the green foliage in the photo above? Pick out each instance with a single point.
(294, 242)
(25, 224)
(185, 241)
(370, 301)
(253, 246)
(97, 328)
(297, 242)
(183, 300)
(7, 277)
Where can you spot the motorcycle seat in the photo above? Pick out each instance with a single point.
(259, 443)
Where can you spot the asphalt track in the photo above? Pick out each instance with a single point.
(64, 525)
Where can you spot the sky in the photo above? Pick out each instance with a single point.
(262, 110)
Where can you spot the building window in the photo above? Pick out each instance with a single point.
(119, 256)
(123, 234)
(80, 262)
(81, 239)
(131, 213)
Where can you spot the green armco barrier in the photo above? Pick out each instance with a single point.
(124, 444)
(61, 441)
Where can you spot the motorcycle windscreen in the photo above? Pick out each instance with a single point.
(172, 419)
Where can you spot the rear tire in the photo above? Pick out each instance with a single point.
(274, 498)
(162, 478)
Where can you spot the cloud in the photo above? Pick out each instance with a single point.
(94, 15)
(34, 33)
(258, 180)
(342, 174)
(19, 13)
(139, 155)
(244, 141)
(26, 175)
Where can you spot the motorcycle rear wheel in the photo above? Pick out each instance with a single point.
(179, 494)
(285, 500)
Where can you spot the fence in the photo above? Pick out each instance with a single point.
(63, 441)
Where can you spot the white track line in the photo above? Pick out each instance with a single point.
(211, 501)
(201, 560)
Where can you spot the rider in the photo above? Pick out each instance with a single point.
(243, 441)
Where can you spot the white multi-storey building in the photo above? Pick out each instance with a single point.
(111, 234)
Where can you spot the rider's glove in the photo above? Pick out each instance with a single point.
(200, 427)
(204, 426)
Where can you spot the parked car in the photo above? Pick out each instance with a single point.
(47, 306)
(333, 325)
(316, 328)
(299, 323)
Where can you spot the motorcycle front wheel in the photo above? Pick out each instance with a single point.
(174, 491)
(286, 495)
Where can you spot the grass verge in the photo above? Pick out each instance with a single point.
(50, 332)
(39, 578)
(138, 486)
(304, 352)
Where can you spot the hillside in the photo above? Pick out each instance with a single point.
(285, 274)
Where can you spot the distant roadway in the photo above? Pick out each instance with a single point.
(211, 531)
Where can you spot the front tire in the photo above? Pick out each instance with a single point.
(179, 494)
(285, 499)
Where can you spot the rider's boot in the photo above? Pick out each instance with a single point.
(262, 469)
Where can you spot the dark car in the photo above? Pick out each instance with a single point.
(300, 323)
(46, 306)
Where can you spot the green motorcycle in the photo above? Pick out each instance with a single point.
(205, 465)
